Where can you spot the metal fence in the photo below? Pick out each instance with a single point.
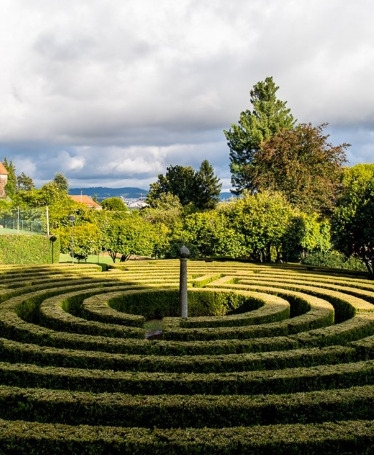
(33, 220)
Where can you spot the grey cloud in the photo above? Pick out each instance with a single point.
(116, 92)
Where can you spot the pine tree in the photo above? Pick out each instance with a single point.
(24, 182)
(269, 116)
(208, 187)
(61, 181)
(200, 188)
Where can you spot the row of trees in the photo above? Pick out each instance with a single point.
(261, 226)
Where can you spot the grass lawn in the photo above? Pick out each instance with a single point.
(6, 231)
(91, 259)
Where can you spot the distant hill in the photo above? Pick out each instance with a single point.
(101, 192)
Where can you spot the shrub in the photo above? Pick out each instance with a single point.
(334, 259)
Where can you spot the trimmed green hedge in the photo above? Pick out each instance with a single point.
(307, 388)
(330, 438)
(28, 249)
(181, 411)
(161, 303)
(289, 380)
(17, 352)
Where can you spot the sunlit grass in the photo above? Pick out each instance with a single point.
(6, 231)
(91, 259)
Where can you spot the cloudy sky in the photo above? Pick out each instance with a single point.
(111, 92)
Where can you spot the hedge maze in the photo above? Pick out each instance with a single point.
(271, 360)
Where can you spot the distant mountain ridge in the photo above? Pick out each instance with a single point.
(103, 192)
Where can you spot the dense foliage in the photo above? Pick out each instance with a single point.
(269, 116)
(115, 204)
(199, 188)
(303, 165)
(269, 151)
(353, 218)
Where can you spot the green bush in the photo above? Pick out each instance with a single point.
(335, 260)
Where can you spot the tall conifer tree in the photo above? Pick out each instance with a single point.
(269, 116)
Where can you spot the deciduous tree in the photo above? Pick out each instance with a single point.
(262, 219)
(352, 223)
(11, 186)
(129, 234)
(80, 239)
(114, 204)
(213, 235)
(302, 165)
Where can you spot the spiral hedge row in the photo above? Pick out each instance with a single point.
(271, 360)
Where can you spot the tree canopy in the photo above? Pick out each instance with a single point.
(352, 223)
(126, 235)
(269, 116)
(24, 182)
(208, 187)
(62, 182)
(115, 204)
(301, 164)
(200, 188)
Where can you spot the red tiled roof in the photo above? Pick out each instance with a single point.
(3, 171)
(84, 199)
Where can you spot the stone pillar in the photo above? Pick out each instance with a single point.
(184, 254)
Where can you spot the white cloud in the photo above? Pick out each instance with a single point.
(116, 91)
